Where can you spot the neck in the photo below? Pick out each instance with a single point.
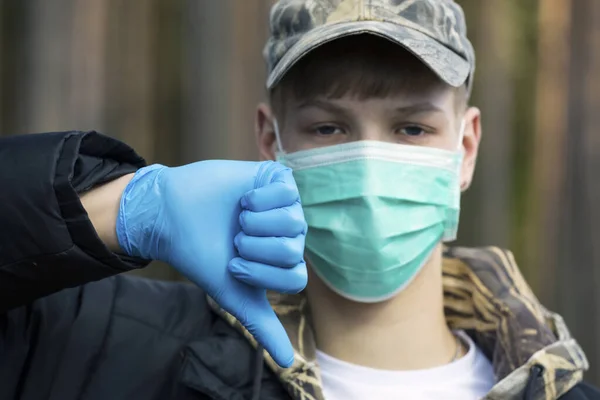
(407, 332)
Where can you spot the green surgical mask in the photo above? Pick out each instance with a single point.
(375, 212)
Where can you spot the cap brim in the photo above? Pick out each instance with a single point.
(445, 63)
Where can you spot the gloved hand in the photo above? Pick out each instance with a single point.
(234, 228)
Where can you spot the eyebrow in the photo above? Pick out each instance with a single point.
(419, 108)
(412, 109)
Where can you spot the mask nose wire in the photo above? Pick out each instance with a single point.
(278, 136)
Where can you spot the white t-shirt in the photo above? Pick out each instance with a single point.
(468, 378)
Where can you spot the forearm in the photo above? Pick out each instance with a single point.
(102, 206)
(47, 241)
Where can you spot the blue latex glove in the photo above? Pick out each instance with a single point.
(234, 228)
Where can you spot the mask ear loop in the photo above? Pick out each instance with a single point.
(461, 135)
(278, 137)
(460, 148)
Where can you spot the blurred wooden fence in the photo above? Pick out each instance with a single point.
(179, 80)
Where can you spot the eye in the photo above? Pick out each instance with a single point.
(328, 130)
(412, 130)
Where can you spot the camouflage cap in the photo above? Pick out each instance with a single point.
(433, 30)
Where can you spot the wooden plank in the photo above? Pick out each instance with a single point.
(130, 69)
(579, 234)
(549, 142)
(48, 75)
(223, 77)
(592, 183)
(14, 67)
(205, 79)
(86, 98)
(167, 105)
(250, 31)
(592, 126)
(494, 92)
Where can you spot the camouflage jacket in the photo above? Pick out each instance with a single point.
(532, 352)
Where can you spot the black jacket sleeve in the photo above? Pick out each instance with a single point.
(47, 242)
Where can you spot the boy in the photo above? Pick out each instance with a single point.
(369, 109)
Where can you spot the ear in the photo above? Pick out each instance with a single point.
(265, 132)
(470, 143)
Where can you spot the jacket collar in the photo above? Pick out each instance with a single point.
(485, 295)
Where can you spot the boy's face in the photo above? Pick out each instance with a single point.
(416, 108)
